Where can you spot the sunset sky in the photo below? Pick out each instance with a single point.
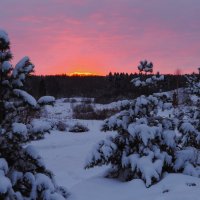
(99, 36)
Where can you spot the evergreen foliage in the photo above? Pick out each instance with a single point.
(153, 138)
(193, 83)
(23, 174)
(105, 89)
(144, 80)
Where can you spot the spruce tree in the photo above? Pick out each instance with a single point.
(23, 174)
(145, 77)
(153, 138)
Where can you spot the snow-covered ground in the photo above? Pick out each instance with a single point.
(62, 109)
(64, 153)
(173, 187)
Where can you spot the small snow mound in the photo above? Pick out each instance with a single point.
(5, 184)
(40, 126)
(30, 150)
(6, 66)
(43, 182)
(46, 100)
(26, 97)
(3, 165)
(20, 65)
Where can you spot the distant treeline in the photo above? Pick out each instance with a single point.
(103, 88)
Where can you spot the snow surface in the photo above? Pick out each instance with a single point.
(64, 153)
(172, 187)
(6, 66)
(62, 109)
(19, 128)
(40, 126)
(5, 184)
(46, 100)
(25, 96)
(20, 66)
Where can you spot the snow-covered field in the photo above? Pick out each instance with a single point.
(64, 153)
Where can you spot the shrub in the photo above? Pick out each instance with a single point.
(86, 100)
(147, 144)
(72, 100)
(61, 126)
(87, 111)
(78, 128)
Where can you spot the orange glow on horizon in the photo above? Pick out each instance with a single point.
(83, 74)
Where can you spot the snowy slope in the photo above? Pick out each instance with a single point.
(64, 153)
(173, 187)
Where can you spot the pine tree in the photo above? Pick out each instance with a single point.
(145, 78)
(149, 141)
(23, 174)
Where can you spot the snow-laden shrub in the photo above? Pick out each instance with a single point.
(88, 111)
(193, 83)
(46, 100)
(147, 144)
(19, 131)
(61, 126)
(38, 128)
(78, 128)
(23, 174)
(82, 111)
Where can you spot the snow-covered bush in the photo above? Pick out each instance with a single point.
(78, 128)
(38, 128)
(46, 100)
(149, 143)
(124, 104)
(82, 111)
(61, 126)
(88, 111)
(193, 82)
(23, 174)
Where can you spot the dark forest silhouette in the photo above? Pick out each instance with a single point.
(104, 89)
